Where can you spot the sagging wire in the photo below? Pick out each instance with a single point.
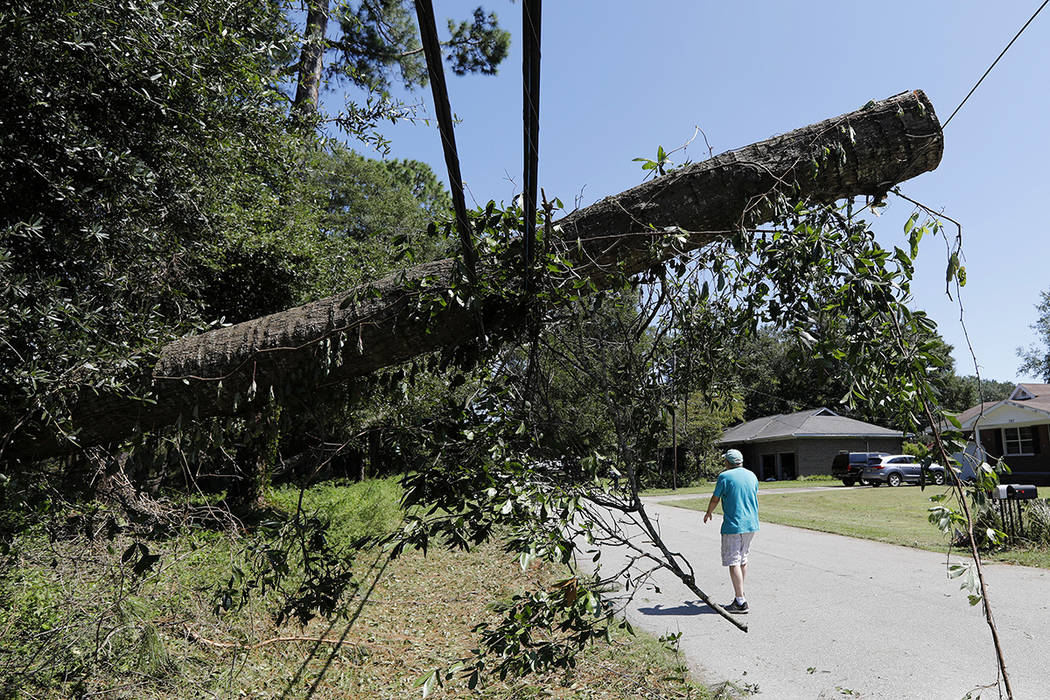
(432, 51)
(1003, 53)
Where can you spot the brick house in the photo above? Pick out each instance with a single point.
(1016, 429)
(804, 443)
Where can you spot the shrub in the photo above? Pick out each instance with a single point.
(916, 449)
(1038, 526)
(353, 510)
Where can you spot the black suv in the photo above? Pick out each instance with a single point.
(849, 465)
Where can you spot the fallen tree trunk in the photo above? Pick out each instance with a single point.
(351, 334)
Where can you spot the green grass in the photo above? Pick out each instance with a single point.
(893, 515)
(709, 486)
(74, 622)
(353, 509)
(896, 516)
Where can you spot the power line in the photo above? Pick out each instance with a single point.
(432, 51)
(530, 65)
(974, 88)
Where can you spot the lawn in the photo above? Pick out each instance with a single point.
(160, 637)
(894, 515)
(709, 486)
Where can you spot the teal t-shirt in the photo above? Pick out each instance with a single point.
(738, 490)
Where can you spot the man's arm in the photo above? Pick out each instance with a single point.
(712, 504)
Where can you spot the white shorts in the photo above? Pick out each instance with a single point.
(735, 548)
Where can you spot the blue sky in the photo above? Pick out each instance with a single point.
(621, 78)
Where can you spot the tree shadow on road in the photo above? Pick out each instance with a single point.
(690, 607)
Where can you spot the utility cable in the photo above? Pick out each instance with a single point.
(531, 12)
(530, 69)
(432, 51)
(974, 88)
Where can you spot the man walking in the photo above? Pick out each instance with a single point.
(737, 489)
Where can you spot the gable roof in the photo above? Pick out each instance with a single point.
(971, 413)
(1027, 403)
(1027, 392)
(814, 423)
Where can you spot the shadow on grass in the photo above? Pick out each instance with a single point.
(377, 570)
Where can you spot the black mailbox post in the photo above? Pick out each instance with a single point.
(1007, 495)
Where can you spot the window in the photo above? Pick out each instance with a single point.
(1019, 441)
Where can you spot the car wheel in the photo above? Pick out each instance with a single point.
(894, 479)
(938, 478)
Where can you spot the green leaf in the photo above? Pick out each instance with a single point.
(953, 267)
(910, 223)
(427, 682)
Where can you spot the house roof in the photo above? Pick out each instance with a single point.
(814, 423)
(974, 411)
(1027, 403)
(1037, 389)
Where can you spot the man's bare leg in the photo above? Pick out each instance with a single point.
(737, 573)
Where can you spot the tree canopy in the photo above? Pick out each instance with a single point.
(153, 184)
(1036, 358)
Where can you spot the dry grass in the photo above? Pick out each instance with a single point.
(419, 617)
(73, 624)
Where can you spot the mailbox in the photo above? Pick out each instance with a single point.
(1008, 495)
(1020, 492)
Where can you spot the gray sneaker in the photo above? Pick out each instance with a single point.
(737, 608)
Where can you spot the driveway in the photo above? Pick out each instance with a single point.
(837, 617)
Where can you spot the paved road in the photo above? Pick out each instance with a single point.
(836, 617)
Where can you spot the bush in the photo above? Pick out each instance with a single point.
(353, 510)
(709, 466)
(916, 449)
(76, 617)
(985, 517)
(1038, 516)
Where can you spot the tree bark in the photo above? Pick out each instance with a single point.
(311, 57)
(378, 325)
